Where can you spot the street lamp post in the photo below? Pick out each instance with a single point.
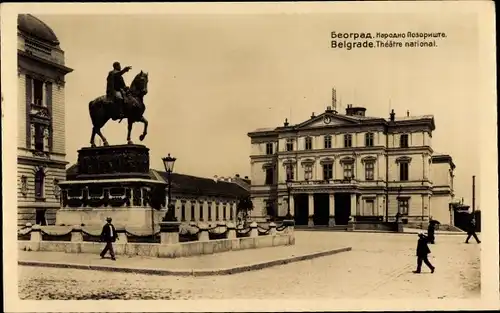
(288, 188)
(168, 162)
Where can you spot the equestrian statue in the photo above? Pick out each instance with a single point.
(120, 102)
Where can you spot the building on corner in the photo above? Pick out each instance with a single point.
(41, 151)
(350, 167)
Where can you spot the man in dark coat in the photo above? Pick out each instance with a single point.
(471, 230)
(422, 254)
(431, 229)
(109, 236)
(115, 89)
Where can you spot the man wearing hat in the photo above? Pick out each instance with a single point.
(108, 235)
(422, 253)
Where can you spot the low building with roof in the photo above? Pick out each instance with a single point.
(345, 168)
(198, 198)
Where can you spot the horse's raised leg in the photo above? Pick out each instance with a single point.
(130, 123)
(145, 130)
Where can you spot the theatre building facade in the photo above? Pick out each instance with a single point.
(345, 168)
(41, 151)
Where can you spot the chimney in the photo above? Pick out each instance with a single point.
(312, 115)
(237, 175)
(392, 115)
(286, 122)
(407, 112)
(246, 177)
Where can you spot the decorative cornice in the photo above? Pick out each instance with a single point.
(403, 159)
(26, 160)
(368, 159)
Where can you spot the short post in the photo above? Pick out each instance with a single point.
(203, 232)
(289, 230)
(76, 234)
(272, 229)
(254, 232)
(231, 230)
(169, 232)
(36, 233)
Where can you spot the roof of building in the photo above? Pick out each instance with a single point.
(188, 184)
(443, 158)
(348, 118)
(34, 27)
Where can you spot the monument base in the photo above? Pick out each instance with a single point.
(135, 217)
(112, 181)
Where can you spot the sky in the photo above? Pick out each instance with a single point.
(214, 78)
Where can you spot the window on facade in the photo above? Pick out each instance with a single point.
(289, 145)
(201, 211)
(37, 92)
(231, 215)
(269, 176)
(193, 211)
(289, 172)
(327, 171)
(309, 143)
(308, 168)
(369, 207)
(39, 184)
(209, 211)
(403, 171)
(369, 140)
(403, 206)
(39, 137)
(403, 141)
(347, 140)
(348, 172)
(217, 212)
(183, 211)
(328, 142)
(369, 170)
(224, 212)
(269, 148)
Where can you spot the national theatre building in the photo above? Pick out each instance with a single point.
(344, 168)
(41, 151)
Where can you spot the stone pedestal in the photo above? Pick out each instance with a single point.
(112, 181)
(310, 222)
(169, 232)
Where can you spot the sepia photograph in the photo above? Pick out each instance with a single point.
(274, 154)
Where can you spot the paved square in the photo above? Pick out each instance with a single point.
(379, 266)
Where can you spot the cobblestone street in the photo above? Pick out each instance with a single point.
(379, 266)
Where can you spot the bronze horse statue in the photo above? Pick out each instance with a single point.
(100, 109)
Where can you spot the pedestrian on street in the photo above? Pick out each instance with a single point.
(422, 254)
(108, 235)
(471, 230)
(431, 229)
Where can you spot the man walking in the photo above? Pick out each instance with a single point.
(431, 229)
(471, 230)
(422, 254)
(108, 235)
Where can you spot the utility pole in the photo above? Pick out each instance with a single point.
(473, 193)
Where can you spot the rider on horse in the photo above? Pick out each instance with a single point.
(116, 89)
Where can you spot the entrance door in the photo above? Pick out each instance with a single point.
(342, 208)
(301, 209)
(321, 208)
